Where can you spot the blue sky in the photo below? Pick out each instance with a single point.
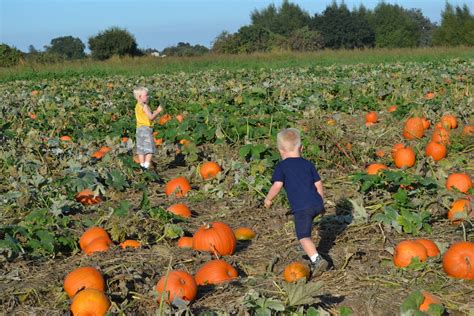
(155, 23)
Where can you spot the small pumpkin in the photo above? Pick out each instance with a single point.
(428, 299)
(216, 237)
(441, 135)
(371, 117)
(90, 302)
(35, 92)
(209, 170)
(180, 210)
(180, 118)
(32, 115)
(177, 186)
(90, 234)
(98, 155)
(185, 242)
(177, 284)
(375, 168)
(468, 130)
(459, 211)
(459, 181)
(432, 249)
(105, 149)
(83, 278)
(215, 272)
(88, 197)
(164, 118)
(380, 153)
(449, 121)
(458, 260)
(244, 233)
(435, 150)
(66, 138)
(158, 141)
(392, 108)
(124, 139)
(405, 251)
(101, 244)
(405, 158)
(130, 243)
(295, 271)
(429, 95)
(413, 128)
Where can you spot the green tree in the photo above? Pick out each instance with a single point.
(425, 27)
(457, 27)
(113, 41)
(67, 47)
(342, 28)
(185, 50)
(9, 56)
(283, 21)
(252, 38)
(305, 40)
(225, 43)
(394, 27)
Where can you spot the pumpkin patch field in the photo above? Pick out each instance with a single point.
(84, 229)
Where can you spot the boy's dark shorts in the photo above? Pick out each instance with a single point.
(304, 221)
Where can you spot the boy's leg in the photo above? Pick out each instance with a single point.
(308, 246)
(147, 162)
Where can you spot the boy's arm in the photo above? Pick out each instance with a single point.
(149, 114)
(274, 190)
(319, 188)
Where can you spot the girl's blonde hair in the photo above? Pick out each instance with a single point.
(289, 139)
(138, 91)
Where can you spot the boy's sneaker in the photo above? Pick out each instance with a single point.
(318, 266)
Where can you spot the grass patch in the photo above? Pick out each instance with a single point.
(146, 66)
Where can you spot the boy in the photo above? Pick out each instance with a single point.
(304, 189)
(145, 142)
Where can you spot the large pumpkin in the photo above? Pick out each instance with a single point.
(215, 272)
(178, 284)
(177, 186)
(216, 237)
(432, 249)
(405, 251)
(295, 271)
(90, 302)
(395, 148)
(435, 150)
(459, 211)
(405, 158)
(92, 233)
(180, 210)
(460, 181)
(413, 128)
(458, 260)
(87, 197)
(83, 278)
(209, 170)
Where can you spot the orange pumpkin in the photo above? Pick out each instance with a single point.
(98, 154)
(244, 233)
(180, 118)
(405, 251)
(209, 170)
(83, 278)
(177, 186)
(428, 299)
(396, 147)
(180, 210)
(32, 115)
(215, 272)
(432, 249)
(379, 153)
(90, 234)
(35, 92)
(130, 243)
(459, 211)
(164, 118)
(426, 122)
(66, 138)
(158, 141)
(413, 128)
(87, 197)
(392, 108)
(371, 117)
(375, 168)
(429, 95)
(441, 135)
(468, 130)
(435, 150)
(185, 242)
(101, 244)
(105, 149)
(458, 260)
(295, 271)
(405, 158)
(124, 139)
(90, 302)
(459, 181)
(449, 121)
(177, 284)
(216, 237)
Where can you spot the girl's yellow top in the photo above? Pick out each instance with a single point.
(142, 119)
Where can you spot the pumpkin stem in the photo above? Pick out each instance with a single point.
(215, 252)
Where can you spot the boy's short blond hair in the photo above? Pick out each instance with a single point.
(289, 139)
(139, 91)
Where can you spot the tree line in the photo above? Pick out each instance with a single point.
(287, 27)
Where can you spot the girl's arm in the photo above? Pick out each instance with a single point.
(319, 188)
(274, 190)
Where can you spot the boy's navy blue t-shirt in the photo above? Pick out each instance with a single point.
(298, 176)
